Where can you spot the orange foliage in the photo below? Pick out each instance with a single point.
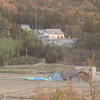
(87, 5)
(82, 13)
(71, 13)
(9, 7)
(97, 16)
(90, 13)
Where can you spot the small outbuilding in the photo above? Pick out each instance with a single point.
(75, 74)
(56, 76)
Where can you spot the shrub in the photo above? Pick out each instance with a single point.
(52, 56)
(23, 60)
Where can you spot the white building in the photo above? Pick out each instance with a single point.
(53, 34)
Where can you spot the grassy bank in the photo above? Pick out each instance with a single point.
(34, 68)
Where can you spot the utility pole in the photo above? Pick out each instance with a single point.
(26, 52)
(35, 17)
(43, 68)
(36, 20)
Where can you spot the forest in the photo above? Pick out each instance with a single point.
(77, 18)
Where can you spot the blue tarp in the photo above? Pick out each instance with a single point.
(45, 79)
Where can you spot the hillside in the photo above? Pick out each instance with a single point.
(64, 6)
(78, 19)
(52, 13)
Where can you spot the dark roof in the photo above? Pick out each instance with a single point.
(64, 41)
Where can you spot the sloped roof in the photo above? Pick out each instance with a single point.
(39, 30)
(70, 71)
(25, 26)
(64, 41)
(59, 72)
(45, 34)
(54, 31)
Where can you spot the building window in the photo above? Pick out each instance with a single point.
(61, 36)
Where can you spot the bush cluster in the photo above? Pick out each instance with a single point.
(23, 60)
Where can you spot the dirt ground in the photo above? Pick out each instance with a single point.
(14, 85)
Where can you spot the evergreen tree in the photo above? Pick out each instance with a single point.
(9, 48)
(15, 31)
(89, 25)
(52, 56)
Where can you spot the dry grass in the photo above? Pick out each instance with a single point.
(94, 85)
(67, 92)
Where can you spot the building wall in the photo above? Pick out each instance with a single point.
(56, 36)
(55, 76)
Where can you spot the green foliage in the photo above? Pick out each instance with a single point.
(98, 27)
(56, 18)
(68, 21)
(30, 18)
(89, 25)
(4, 27)
(52, 56)
(8, 49)
(45, 49)
(48, 14)
(51, 14)
(6, 14)
(4, 24)
(15, 31)
(92, 42)
(76, 18)
(23, 60)
(80, 43)
(33, 44)
(41, 19)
